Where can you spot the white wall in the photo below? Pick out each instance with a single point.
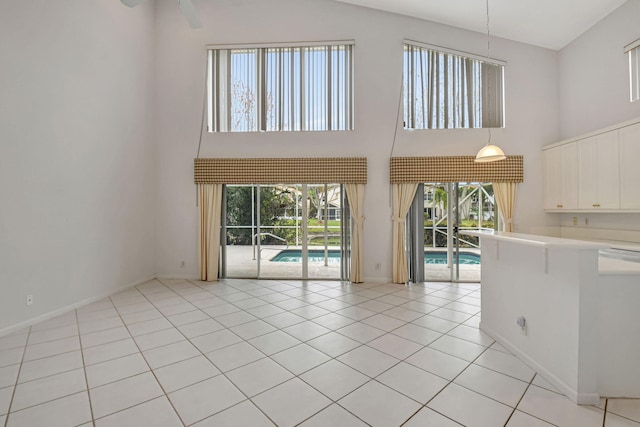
(76, 153)
(619, 221)
(594, 74)
(594, 91)
(531, 101)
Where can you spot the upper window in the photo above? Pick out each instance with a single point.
(445, 89)
(285, 88)
(633, 50)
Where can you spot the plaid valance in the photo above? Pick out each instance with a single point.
(341, 170)
(455, 169)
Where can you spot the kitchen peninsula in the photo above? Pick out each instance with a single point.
(577, 323)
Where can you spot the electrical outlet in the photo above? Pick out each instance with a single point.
(575, 220)
(522, 322)
(29, 299)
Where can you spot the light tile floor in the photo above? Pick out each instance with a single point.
(259, 353)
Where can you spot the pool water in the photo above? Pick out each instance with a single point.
(315, 255)
(440, 257)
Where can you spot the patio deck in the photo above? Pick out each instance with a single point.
(241, 264)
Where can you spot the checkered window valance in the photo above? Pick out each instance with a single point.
(342, 170)
(455, 169)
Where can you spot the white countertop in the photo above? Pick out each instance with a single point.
(538, 240)
(613, 267)
(617, 244)
(606, 265)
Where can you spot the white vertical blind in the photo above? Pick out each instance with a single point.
(492, 76)
(634, 71)
(284, 88)
(444, 90)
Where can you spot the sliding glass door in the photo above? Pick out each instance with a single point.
(293, 231)
(439, 217)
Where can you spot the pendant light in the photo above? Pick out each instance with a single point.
(490, 152)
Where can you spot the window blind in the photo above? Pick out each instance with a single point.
(446, 89)
(633, 50)
(292, 87)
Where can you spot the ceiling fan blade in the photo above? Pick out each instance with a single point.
(190, 13)
(132, 3)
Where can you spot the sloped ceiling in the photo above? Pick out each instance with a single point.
(546, 23)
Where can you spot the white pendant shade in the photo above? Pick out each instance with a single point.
(490, 153)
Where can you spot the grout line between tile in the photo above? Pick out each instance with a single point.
(515, 408)
(232, 292)
(15, 386)
(151, 370)
(84, 370)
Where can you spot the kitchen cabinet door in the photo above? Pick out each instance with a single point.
(560, 176)
(598, 172)
(630, 167)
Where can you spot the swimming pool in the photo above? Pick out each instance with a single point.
(440, 257)
(317, 255)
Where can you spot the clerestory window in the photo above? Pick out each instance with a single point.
(447, 89)
(301, 87)
(633, 50)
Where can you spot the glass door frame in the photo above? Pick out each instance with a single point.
(256, 232)
(416, 234)
(453, 230)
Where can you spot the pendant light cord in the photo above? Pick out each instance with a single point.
(204, 109)
(204, 106)
(489, 79)
(395, 131)
(488, 35)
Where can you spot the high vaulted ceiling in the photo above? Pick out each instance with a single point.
(547, 23)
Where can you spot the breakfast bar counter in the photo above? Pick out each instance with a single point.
(564, 310)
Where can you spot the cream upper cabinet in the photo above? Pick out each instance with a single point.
(630, 167)
(598, 172)
(561, 177)
(595, 172)
(550, 170)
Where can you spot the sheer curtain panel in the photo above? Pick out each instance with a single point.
(402, 197)
(355, 194)
(210, 204)
(505, 193)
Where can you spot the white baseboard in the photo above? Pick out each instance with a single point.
(170, 276)
(573, 395)
(68, 308)
(377, 279)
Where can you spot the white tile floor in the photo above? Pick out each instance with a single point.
(259, 353)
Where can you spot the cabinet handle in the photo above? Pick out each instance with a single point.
(559, 206)
(596, 205)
